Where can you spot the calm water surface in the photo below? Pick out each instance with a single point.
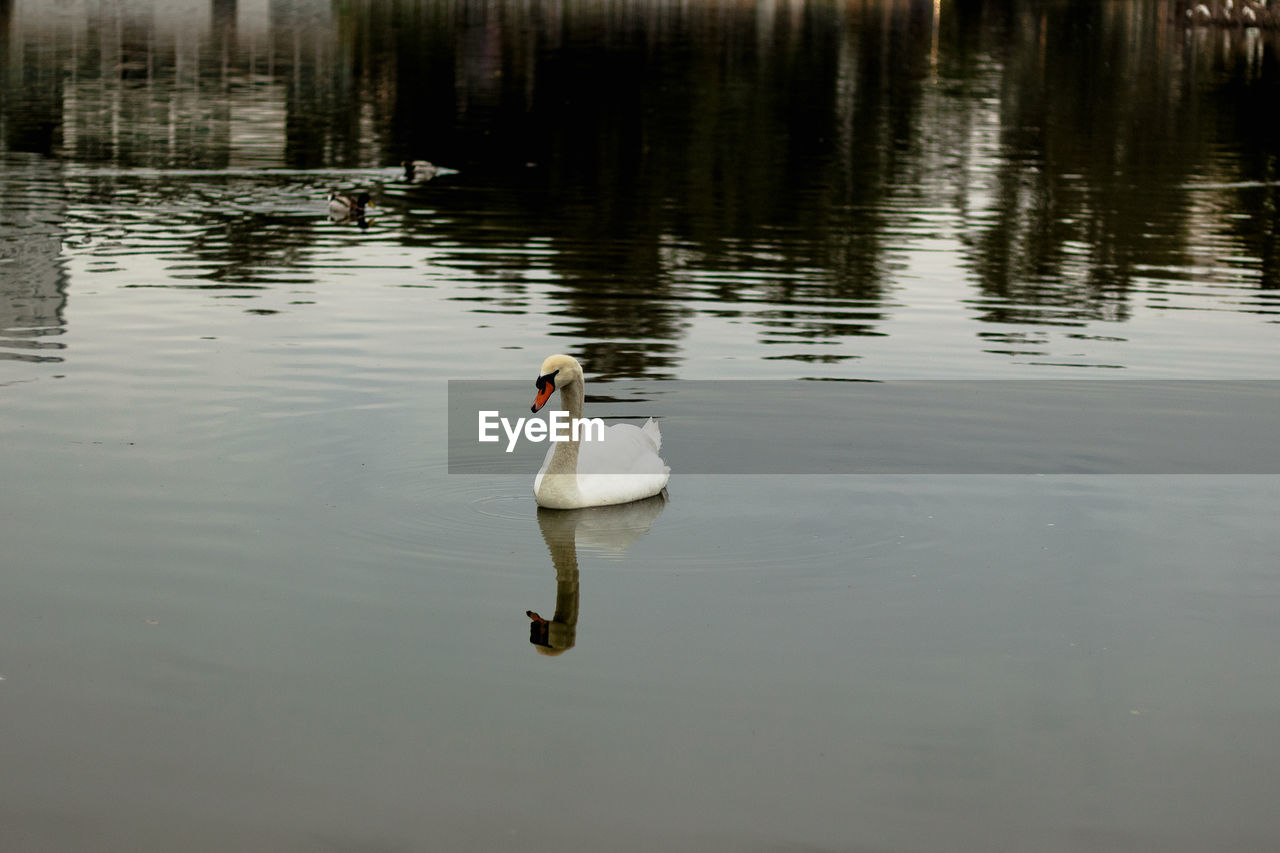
(245, 607)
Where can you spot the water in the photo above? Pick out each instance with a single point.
(246, 607)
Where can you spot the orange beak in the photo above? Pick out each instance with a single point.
(544, 394)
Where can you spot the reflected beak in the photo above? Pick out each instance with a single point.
(544, 394)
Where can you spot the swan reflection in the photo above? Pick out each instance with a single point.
(610, 529)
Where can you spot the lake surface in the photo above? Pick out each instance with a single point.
(244, 604)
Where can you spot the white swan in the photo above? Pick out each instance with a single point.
(624, 467)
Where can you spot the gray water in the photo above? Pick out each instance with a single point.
(245, 606)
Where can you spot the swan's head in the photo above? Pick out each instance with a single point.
(556, 372)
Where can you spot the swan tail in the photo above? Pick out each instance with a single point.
(655, 435)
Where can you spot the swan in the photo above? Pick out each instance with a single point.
(624, 467)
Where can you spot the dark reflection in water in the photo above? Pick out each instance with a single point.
(33, 282)
(1108, 118)
(779, 165)
(605, 529)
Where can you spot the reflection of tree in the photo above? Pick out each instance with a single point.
(1105, 121)
(1245, 91)
(640, 164)
(33, 286)
(30, 96)
(33, 279)
(233, 249)
(729, 134)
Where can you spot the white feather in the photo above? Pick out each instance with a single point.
(624, 467)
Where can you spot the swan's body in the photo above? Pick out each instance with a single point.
(624, 467)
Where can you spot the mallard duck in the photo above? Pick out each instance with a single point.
(347, 206)
(420, 170)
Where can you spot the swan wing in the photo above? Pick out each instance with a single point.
(624, 467)
(626, 449)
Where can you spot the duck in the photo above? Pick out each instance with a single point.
(621, 468)
(420, 170)
(344, 206)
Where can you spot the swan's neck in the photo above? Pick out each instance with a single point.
(564, 459)
(562, 543)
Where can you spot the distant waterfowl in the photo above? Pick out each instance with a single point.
(344, 206)
(622, 467)
(420, 170)
(1248, 14)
